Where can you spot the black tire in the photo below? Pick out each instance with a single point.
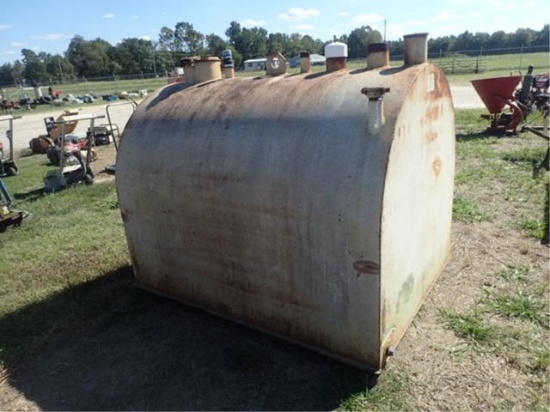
(88, 180)
(12, 171)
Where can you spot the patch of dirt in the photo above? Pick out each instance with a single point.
(106, 156)
(451, 373)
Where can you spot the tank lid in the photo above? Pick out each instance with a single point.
(408, 36)
(336, 50)
(209, 59)
(378, 47)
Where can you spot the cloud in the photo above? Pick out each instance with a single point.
(108, 16)
(134, 17)
(343, 14)
(446, 16)
(298, 14)
(53, 36)
(302, 27)
(145, 37)
(18, 44)
(252, 23)
(367, 19)
(5, 26)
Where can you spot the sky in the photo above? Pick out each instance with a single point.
(49, 25)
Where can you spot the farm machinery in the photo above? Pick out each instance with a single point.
(515, 101)
(9, 216)
(71, 155)
(511, 100)
(8, 167)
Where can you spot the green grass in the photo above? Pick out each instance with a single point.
(386, 396)
(514, 273)
(470, 327)
(466, 211)
(525, 155)
(534, 227)
(72, 237)
(520, 305)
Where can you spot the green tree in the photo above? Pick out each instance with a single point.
(134, 56)
(358, 40)
(92, 58)
(18, 71)
(252, 43)
(279, 42)
(522, 37)
(167, 40)
(35, 69)
(11, 73)
(191, 40)
(308, 44)
(497, 40)
(215, 45)
(6, 77)
(542, 38)
(233, 33)
(169, 49)
(59, 68)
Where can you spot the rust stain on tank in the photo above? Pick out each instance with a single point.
(431, 136)
(367, 267)
(437, 166)
(434, 112)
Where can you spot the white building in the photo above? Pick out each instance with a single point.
(252, 65)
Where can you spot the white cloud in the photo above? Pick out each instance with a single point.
(302, 27)
(52, 36)
(343, 14)
(134, 17)
(446, 16)
(252, 23)
(296, 13)
(367, 19)
(108, 16)
(18, 44)
(145, 38)
(5, 26)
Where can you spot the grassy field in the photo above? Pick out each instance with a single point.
(75, 333)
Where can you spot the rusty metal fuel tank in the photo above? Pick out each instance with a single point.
(314, 207)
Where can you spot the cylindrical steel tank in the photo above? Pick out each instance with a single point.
(315, 207)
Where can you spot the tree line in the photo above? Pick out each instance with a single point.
(99, 58)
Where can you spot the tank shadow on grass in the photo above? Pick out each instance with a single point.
(122, 348)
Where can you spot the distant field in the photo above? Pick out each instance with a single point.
(494, 66)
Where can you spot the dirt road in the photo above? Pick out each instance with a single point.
(32, 124)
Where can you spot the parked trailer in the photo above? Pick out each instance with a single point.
(314, 207)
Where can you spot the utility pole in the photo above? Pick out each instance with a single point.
(154, 59)
(60, 71)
